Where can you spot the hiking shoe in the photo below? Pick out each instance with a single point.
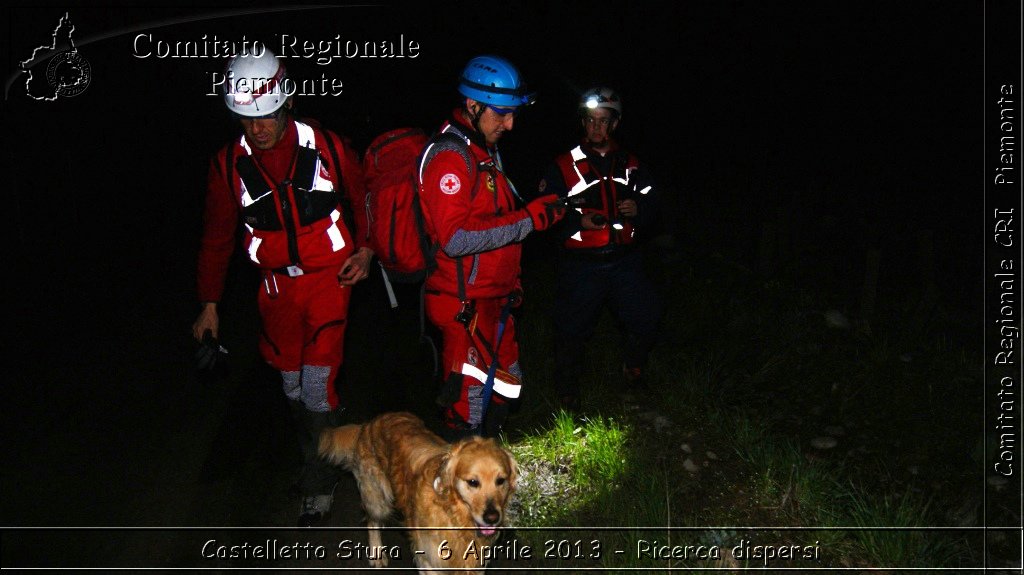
(452, 434)
(454, 428)
(315, 509)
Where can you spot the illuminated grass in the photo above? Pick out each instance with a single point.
(567, 467)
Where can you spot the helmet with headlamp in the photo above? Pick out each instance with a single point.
(601, 97)
(255, 84)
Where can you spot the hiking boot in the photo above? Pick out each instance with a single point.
(494, 420)
(454, 428)
(315, 509)
(451, 433)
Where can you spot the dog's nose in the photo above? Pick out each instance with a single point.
(491, 515)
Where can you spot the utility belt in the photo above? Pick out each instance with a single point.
(603, 255)
(290, 271)
(270, 277)
(467, 314)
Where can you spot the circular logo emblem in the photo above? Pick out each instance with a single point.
(450, 184)
(69, 73)
(472, 356)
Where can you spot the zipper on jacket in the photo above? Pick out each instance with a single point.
(289, 223)
(286, 211)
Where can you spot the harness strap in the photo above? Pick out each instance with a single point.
(255, 183)
(301, 177)
(489, 384)
(460, 272)
(423, 330)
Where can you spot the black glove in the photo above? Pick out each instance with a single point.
(515, 297)
(211, 354)
(450, 390)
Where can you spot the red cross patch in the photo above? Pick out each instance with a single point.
(450, 184)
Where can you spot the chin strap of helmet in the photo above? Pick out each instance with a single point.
(474, 118)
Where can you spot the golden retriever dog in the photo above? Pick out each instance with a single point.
(400, 464)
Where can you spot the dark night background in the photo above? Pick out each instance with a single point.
(859, 123)
(865, 118)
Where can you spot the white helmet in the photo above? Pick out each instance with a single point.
(255, 84)
(601, 97)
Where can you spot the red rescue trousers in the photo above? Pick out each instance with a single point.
(303, 331)
(467, 355)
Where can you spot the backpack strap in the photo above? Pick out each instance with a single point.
(447, 141)
(451, 140)
(343, 200)
(229, 168)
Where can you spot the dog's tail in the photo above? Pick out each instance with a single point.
(338, 444)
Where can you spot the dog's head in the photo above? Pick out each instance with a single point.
(482, 475)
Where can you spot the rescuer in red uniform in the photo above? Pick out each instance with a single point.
(470, 209)
(286, 182)
(612, 204)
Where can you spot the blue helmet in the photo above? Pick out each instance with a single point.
(494, 80)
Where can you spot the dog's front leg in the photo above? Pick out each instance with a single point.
(378, 558)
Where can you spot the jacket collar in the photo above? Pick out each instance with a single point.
(590, 151)
(467, 130)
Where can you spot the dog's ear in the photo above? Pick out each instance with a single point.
(513, 469)
(445, 477)
(450, 463)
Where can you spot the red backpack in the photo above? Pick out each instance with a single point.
(396, 231)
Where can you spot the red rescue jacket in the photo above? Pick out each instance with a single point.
(286, 199)
(470, 212)
(596, 184)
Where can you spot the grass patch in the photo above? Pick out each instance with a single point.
(566, 467)
(894, 547)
